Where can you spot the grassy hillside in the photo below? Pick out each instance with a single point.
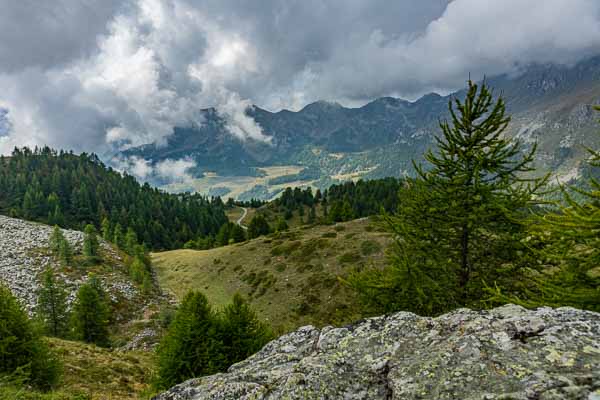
(94, 373)
(291, 278)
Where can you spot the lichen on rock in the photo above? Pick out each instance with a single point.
(505, 353)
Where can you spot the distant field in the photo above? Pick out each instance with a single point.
(290, 279)
(238, 185)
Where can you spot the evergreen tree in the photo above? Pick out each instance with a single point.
(461, 222)
(237, 234)
(281, 225)
(222, 238)
(23, 353)
(52, 305)
(90, 315)
(130, 241)
(118, 238)
(65, 252)
(106, 230)
(91, 246)
(258, 226)
(566, 242)
(55, 240)
(191, 346)
(243, 333)
(312, 215)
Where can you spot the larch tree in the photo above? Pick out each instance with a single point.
(461, 221)
(52, 305)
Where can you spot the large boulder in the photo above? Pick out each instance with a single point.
(505, 353)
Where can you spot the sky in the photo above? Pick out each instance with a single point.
(106, 75)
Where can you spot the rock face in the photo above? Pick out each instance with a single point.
(505, 353)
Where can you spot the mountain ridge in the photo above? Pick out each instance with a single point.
(549, 104)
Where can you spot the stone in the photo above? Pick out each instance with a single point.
(505, 353)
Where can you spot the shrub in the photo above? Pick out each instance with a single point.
(280, 267)
(24, 356)
(369, 247)
(349, 257)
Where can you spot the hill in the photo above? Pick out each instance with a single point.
(24, 255)
(73, 190)
(505, 353)
(324, 143)
(290, 278)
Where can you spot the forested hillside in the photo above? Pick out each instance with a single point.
(73, 190)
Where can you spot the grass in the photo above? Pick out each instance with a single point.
(290, 278)
(93, 373)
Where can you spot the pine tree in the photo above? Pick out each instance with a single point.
(281, 225)
(118, 238)
(91, 246)
(23, 353)
(237, 234)
(65, 252)
(222, 238)
(191, 346)
(52, 305)
(55, 240)
(90, 315)
(258, 226)
(566, 241)
(106, 230)
(243, 333)
(462, 221)
(130, 241)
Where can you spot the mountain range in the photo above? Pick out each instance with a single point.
(324, 143)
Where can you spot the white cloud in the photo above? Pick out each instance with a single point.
(98, 76)
(167, 171)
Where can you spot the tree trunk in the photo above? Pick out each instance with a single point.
(465, 267)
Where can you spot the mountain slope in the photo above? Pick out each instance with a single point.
(24, 255)
(290, 279)
(550, 104)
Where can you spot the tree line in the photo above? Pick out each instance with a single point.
(75, 190)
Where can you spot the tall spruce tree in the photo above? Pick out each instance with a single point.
(243, 334)
(52, 305)
(65, 252)
(460, 223)
(91, 246)
(90, 315)
(24, 355)
(191, 346)
(55, 240)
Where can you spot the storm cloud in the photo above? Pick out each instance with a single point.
(104, 75)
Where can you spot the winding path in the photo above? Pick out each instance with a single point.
(239, 221)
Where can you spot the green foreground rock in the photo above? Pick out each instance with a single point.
(505, 353)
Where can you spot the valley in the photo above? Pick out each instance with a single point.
(325, 143)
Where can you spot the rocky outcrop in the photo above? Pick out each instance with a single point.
(24, 255)
(505, 353)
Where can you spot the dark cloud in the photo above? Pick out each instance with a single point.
(50, 33)
(101, 75)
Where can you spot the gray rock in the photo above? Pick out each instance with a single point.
(505, 353)
(22, 259)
